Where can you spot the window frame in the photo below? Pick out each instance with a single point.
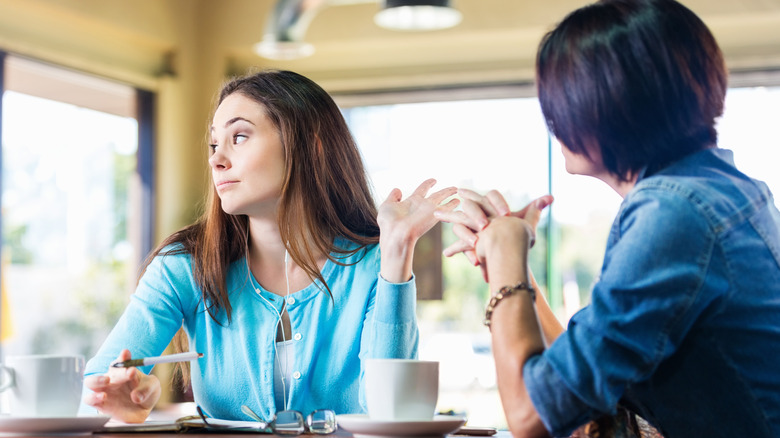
(145, 115)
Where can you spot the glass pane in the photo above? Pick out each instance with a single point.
(482, 145)
(748, 128)
(583, 212)
(68, 261)
(404, 144)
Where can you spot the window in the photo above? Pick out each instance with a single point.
(748, 128)
(405, 143)
(72, 210)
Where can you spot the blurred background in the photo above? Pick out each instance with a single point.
(103, 119)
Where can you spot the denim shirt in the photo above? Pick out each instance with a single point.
(684, 322)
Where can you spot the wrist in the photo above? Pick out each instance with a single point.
(506, 231)
(504, 293)
(396, 258)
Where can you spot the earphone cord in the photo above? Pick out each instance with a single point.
(278, 361)
(281, 324)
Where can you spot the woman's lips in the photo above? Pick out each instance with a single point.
(225, 184)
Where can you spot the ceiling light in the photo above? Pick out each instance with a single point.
(283, 50)
(285, 30)
(417, 15)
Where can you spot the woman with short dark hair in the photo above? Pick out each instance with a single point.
(685, 315)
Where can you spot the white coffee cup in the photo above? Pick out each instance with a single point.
(43, 385)
(401, 389)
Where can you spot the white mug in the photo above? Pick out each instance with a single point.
(43, 385)
(401, 389)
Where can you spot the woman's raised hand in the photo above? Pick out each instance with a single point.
(126, 394)
(402, 222)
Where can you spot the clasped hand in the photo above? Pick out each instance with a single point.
(487, 228)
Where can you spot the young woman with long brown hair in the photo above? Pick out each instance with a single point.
(280, 284)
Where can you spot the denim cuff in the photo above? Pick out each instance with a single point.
(559, 408)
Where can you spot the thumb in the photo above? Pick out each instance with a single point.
(139, 396)
(543, 202)
(145, 394)
(394, 196)
(534, 211)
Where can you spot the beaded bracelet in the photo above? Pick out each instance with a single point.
(504, 292)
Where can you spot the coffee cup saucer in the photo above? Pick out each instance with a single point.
(64, 426)
(360, 425)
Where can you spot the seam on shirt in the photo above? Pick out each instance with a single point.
(718, 222)
(662, 186)
(771, 244)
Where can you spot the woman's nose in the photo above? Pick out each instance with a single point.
(217, 160)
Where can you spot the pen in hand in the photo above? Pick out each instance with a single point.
(179, 357)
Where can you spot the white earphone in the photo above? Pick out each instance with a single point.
(281, 324)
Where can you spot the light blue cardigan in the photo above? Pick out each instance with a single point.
(367, 317)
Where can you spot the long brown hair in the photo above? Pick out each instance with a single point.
(325, 193)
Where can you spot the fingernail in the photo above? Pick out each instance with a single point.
(102, 380)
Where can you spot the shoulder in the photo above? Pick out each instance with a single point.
(352, 253)
(664, 203)
(706, 186)
(171, 261)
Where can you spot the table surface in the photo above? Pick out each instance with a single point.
(338, 434)
(341, 433)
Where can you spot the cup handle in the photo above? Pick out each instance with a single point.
(6, 377)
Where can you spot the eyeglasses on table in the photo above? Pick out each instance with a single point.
(291, 423)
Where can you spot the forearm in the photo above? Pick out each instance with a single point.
(516, 337)
(515, 328)
(551, 327)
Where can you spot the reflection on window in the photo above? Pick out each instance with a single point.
(68, 263)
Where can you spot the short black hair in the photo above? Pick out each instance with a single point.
(643, 80)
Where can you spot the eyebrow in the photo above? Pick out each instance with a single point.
(234, 120)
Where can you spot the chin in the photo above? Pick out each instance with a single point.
(572, 170)
(230, 209)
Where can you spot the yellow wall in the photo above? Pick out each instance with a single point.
(156, 45)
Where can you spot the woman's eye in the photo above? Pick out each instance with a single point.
(213, 147)
(239, 138)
